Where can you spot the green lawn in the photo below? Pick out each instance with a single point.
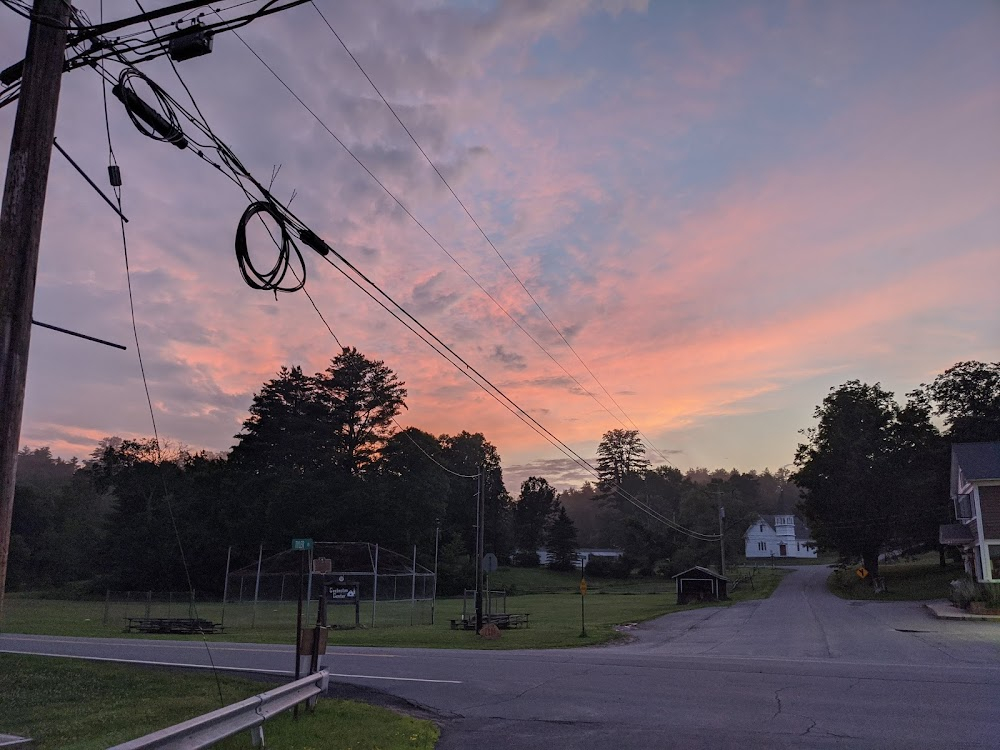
(555, 617)
(915, 580)
(78, 705)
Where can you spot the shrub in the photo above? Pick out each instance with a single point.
(608, 567)
(964, 591)
(526, 559)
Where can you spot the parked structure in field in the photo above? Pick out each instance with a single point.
(779, 536)
(975, 493)
(582, 555)
(699, 584)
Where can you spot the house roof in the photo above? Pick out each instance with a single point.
(802, 533)
(700, 569)
(978, 461)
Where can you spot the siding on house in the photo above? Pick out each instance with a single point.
(989, 502)
(779, 536)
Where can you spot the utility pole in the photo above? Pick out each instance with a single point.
(722, 540)
(480, 543)
(20, 232)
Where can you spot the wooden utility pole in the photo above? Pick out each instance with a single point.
(722, 541)
(20, 231)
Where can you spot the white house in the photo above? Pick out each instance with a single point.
(582, 555)
(779, 536)
(975, 491)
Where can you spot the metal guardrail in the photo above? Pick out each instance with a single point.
(249, 714)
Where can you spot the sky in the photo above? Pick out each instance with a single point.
(726, 209)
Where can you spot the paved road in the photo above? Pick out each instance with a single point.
(802, 669)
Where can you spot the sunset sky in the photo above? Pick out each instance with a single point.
(727, 208)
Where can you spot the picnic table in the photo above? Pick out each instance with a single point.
(502, 620)
(172, 625)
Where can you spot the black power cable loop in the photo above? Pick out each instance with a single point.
(269, 280)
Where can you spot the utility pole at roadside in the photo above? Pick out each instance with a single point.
(722, 541)
(20, 232)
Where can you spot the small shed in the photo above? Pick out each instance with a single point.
(698, 584)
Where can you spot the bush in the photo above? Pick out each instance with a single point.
(964, 591)
(608, 567)
(563, 566)
(526, 559)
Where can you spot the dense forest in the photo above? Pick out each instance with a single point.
(322, 456)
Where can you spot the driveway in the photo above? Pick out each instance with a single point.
(802, 669)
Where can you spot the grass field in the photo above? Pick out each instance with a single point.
(62, 703)
(555, 620)
(915, 580)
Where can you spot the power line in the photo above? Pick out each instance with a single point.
(434, 239)
(235, 171)
(494, 247)
(406, 433)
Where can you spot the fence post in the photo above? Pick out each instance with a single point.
(309, 583)
(256, 588)
(107, 605)
(225, 586)
(375, 586)
(413, 586)
(149, 600)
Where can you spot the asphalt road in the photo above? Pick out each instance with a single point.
(802, 669)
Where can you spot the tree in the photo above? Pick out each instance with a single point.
(967, 395)
(861, 473)
(285, 430)
(620, 454)
(561, 541)
(363, 396)
(533, 512)
(464, 454)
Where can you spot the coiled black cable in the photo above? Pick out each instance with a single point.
(164, 125)
(272, 279)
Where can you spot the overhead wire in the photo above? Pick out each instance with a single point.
(427, 231)
(490, 242)
(116, 182)
(235, 171)
(405, 432)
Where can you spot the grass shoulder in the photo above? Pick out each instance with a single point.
(920, 579)
(79, 705)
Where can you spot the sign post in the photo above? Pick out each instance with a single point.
(303, 546)
(583, 611)
(489, 566)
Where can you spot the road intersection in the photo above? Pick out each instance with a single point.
(802, 669)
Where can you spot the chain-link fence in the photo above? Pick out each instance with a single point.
(389, 589)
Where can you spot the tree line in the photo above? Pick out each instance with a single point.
(321, 456)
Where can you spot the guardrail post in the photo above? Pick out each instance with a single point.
(257, 736)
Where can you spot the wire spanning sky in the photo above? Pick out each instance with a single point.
(727, 209)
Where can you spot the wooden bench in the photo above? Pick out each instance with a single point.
(172, 625)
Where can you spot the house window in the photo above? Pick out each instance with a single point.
(994, 553)
(798, 547)
(762, 546)
(762, 527)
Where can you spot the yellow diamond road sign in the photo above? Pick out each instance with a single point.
(862, 572)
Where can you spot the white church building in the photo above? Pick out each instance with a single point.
(779, 536)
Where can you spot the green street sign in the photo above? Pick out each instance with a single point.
(302, 544)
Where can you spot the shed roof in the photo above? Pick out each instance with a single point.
(956, 534)
(702, 570)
